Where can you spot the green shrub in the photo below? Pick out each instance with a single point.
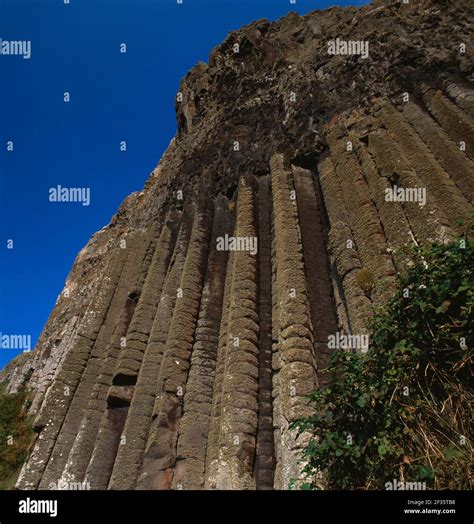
(15, 436)
(403, 410)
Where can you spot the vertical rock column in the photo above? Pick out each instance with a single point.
(318, 280)
(59, 395)
(131, 356)
(212, 462)
(141, 322)
(79, 455)
(353, 306)
(440, 188)
(395, 224)
(231, 450)
(364, 220)
(127, 461)
(428, 223)
(294, 361)
(46, 375)
(195, 422)
(72, 421)
(160, 453)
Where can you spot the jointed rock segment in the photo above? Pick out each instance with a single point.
(192, 328)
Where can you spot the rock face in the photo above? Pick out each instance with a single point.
(192, 327)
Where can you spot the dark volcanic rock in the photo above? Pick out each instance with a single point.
(169, 362)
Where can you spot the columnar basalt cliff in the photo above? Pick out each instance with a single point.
(172, 362)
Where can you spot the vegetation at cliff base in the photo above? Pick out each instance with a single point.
(403, 410)
(15, 436)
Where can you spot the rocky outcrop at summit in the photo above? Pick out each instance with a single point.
(170, 362)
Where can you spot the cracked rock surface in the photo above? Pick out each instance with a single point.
(168, 363)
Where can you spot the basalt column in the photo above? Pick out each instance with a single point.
(197, 403)
(294, 362)
(314, 239)
(136, 326)
(120, 312)
(133, 436)
(232, 442)
(97, 325)
(279, 219)
(159, 459)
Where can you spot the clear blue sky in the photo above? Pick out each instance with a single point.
(114, 97)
